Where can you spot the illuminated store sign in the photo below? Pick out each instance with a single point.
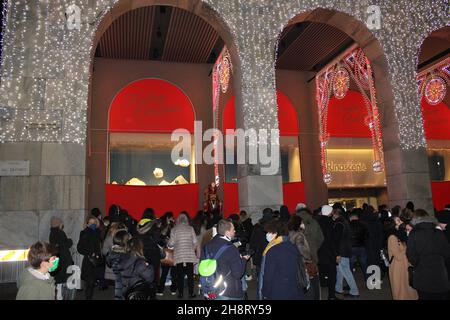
(353, 168)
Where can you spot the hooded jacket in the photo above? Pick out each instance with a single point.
(129, 270)
(427, 250)
(313, 234)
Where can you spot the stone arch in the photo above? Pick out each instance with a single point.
(196, 7)
(372, 48)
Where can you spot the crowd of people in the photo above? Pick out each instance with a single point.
(290, 255)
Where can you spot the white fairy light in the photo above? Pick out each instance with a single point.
(46, 67)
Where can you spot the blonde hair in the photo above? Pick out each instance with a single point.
(114, 227)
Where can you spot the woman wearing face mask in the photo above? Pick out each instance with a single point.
(89, 246)
(279, 266)
(35, 283)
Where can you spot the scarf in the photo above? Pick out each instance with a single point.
(272, 243)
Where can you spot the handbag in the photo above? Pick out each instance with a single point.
(312, 269)
(96, 260)
(168, 259)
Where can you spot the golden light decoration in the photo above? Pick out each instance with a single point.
(225, 71)
(341, 83)
(435, 90)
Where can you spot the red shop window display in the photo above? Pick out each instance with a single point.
(141, 173)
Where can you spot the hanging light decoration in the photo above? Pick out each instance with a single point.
(435, 90)
(225, 69)
(341, 83)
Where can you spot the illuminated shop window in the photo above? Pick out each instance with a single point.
(145, 159)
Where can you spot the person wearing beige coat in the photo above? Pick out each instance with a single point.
(398, 270)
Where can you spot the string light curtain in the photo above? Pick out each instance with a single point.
(335, 80)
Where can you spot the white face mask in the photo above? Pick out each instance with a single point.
(302, 226)
(270, 237)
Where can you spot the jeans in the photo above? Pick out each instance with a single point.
(359, 254)
(343, 271)
(182, 270)
(162, 281)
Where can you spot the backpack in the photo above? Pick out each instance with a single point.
(302, 275)
(211, 283)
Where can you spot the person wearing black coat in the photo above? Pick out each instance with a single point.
(427, 251)
(89, 246)
(343, 240)
(152, 252)
(128, 264)
(359, 234)
(246, 224)
(58, 238)
(376, 235)
(327, 252)
(230, 264)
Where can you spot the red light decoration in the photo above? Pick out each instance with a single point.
(341, 83)
(435, 90)
(328, 82)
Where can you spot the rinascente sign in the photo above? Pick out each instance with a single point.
(351, 168)
(15, 168)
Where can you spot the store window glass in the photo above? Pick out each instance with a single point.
(439, 164)
(145, 159)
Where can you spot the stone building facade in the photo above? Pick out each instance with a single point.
(46, 78)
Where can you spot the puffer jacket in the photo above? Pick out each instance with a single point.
(129, 270)
(427, 251)
(183, 240)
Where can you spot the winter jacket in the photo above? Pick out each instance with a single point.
(313, 234)
(360, 233)
(59, 239)
(152, 252)
(230, 265)
(258, 243)
(327, 251)
(106, 248)
(376, 237)
(299, 239)
(88, 245)
(183, 241)
(34, 285)
(427, 251)
(342, 237)
(279, 272)
(129, 269)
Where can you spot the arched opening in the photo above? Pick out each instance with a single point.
(325, 65)
(152, 70)
(293, 187)
(434, 89)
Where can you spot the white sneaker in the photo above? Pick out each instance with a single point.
(248, 278)
(159, 294)
(173, 293)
